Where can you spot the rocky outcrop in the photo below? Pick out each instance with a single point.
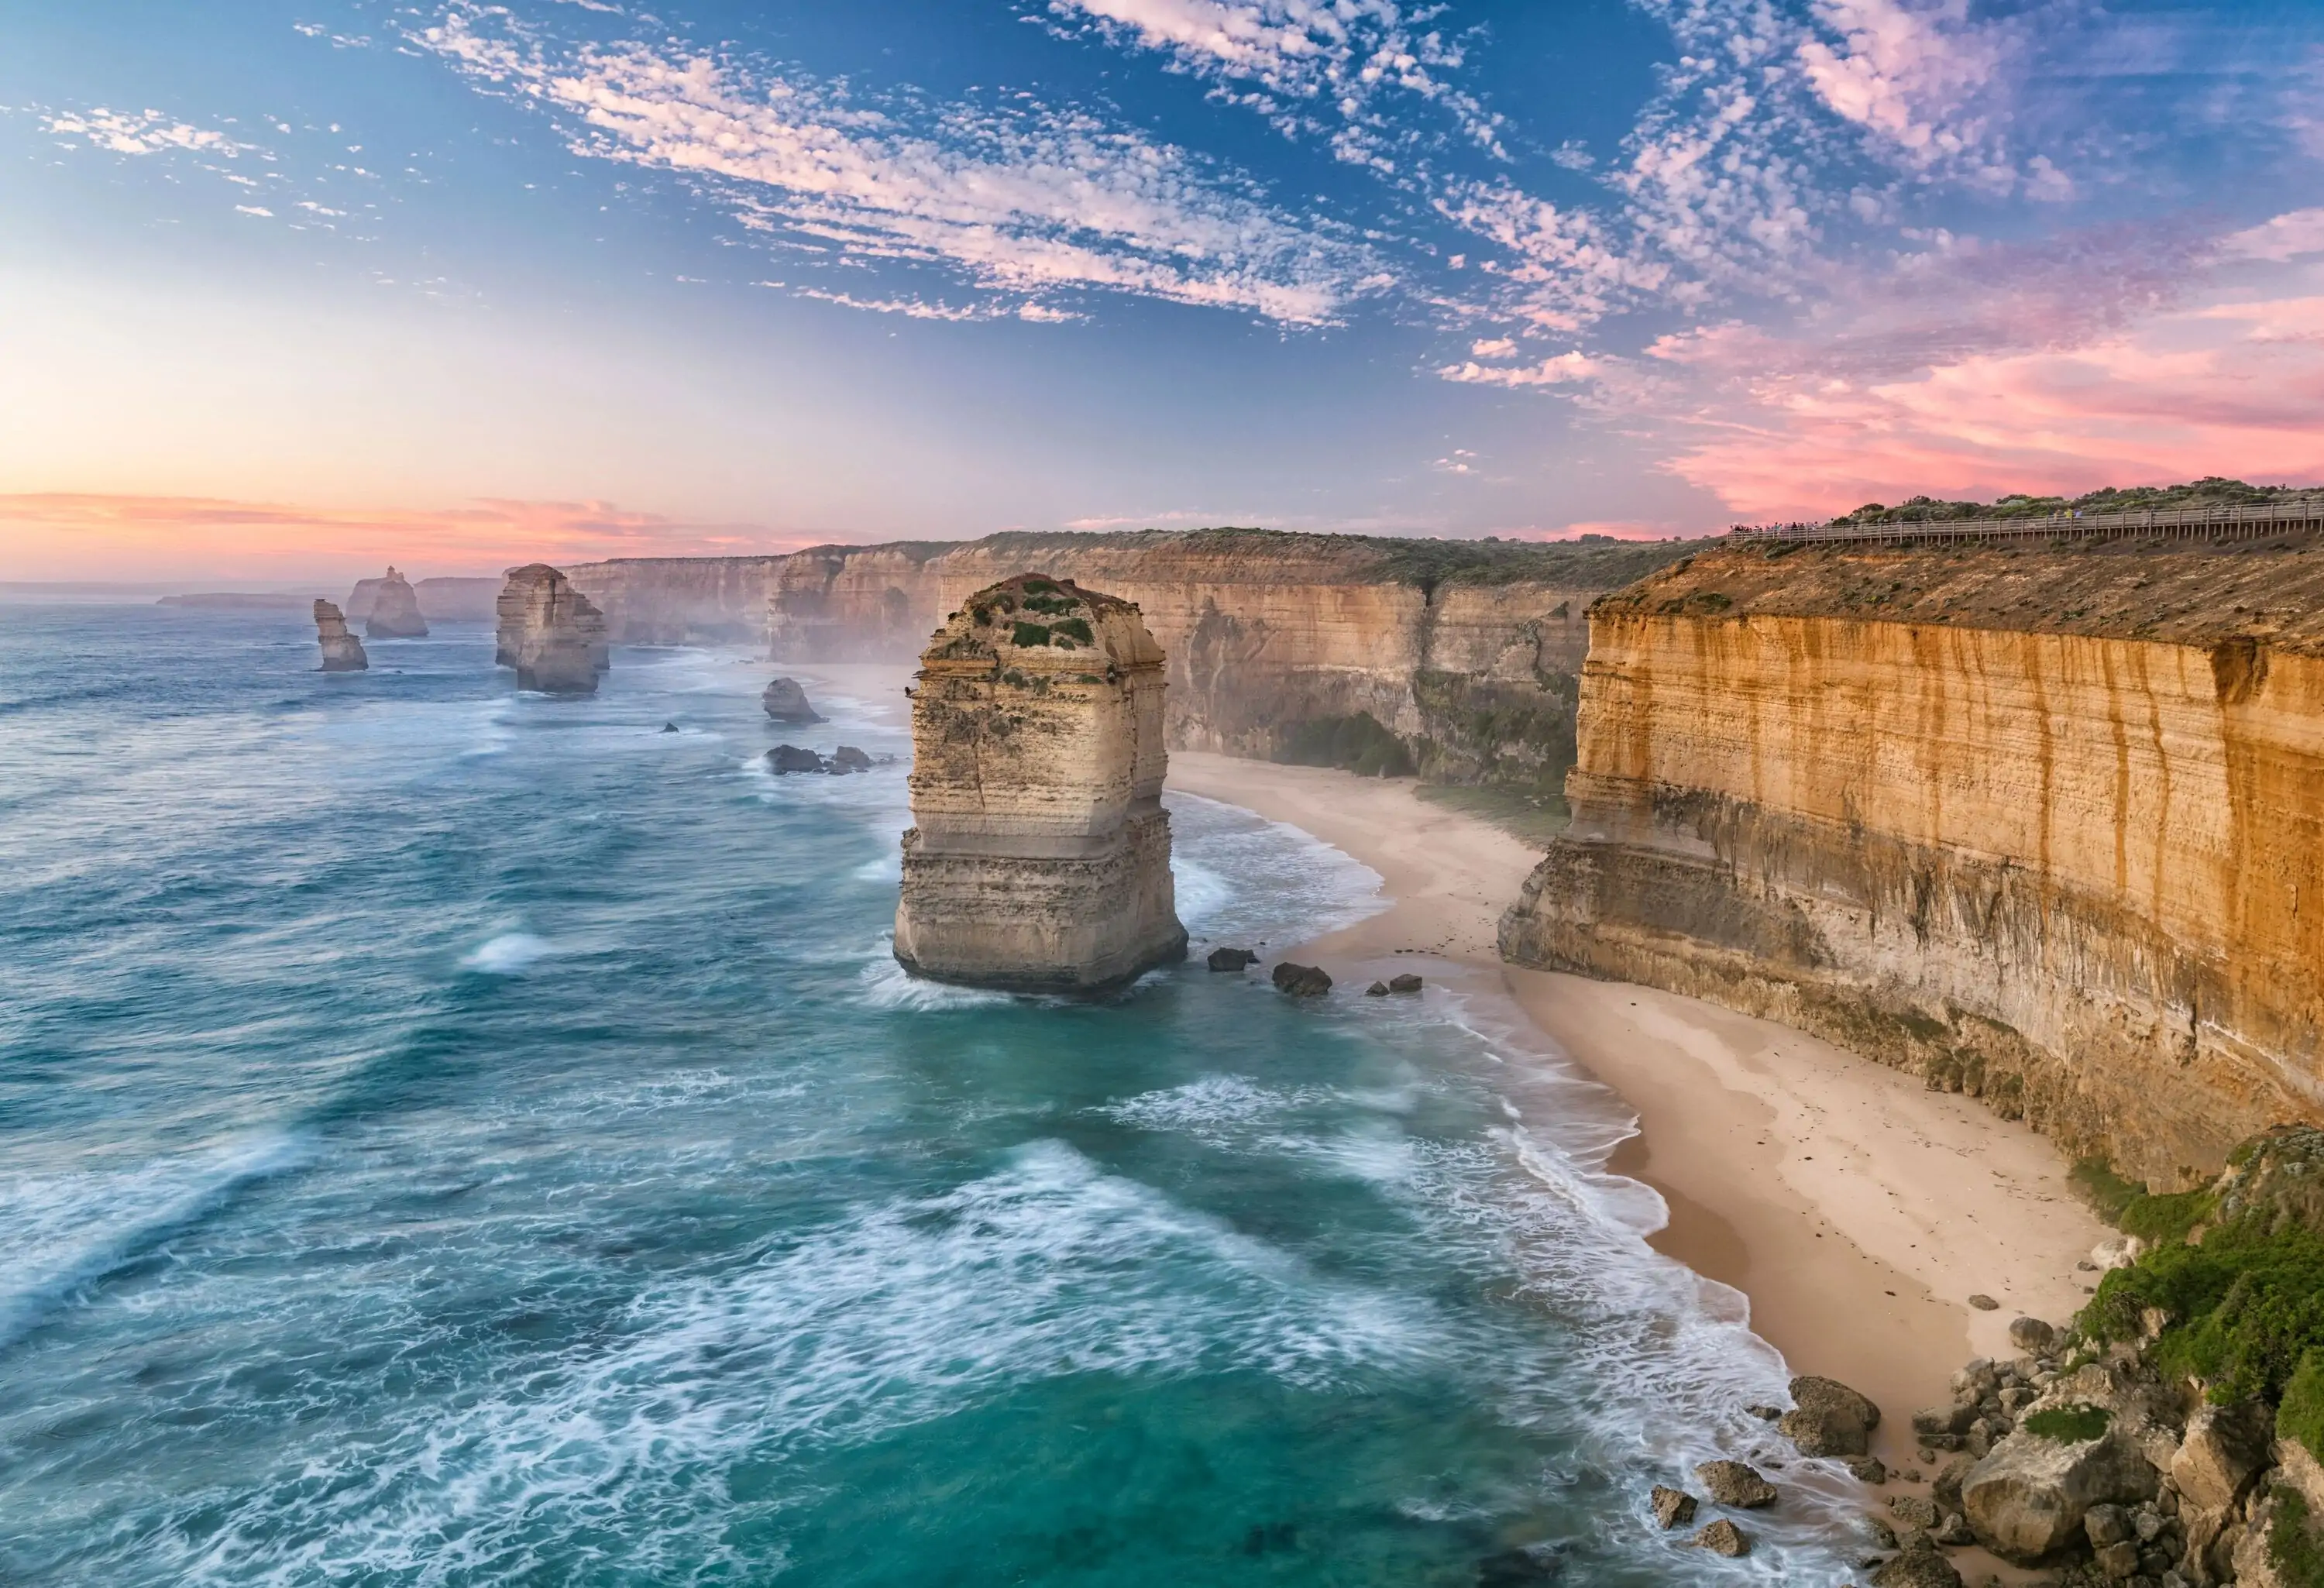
(786, 702)
(342, 651)
(1455, 658)
(550, 632)
(2025, 1502)
(445, 599)
(1040, 854)
(2047, 827)
(394, 610)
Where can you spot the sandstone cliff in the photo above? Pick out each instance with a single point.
(550, 632)
(342, 651)
(1040, 854)
(394, 610)
(1467, 651)
(2047, 826)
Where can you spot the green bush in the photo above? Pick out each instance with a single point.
(2107, 1192)
(2302, 1415)
(1078, 628)
(1355, 744)
(2245, 1307)
(2158, 1219)
(2291, 1546)
(1025, 634)
(2069, 1424)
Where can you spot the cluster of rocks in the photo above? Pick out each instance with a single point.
(786, 759)
(1406, 982)
(1735, 1484)
(1306, 981)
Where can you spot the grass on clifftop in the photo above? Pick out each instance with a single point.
(1533, 818)
(2069, 1425)
(2209, 492)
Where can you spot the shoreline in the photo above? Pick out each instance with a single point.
(1853, 1209)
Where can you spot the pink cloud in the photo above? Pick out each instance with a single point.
(61, 535)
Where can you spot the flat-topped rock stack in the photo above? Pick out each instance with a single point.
(342, 651)
(550, 632)
(395, 610)
(1040, 860)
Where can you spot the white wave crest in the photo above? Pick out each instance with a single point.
(508, 954)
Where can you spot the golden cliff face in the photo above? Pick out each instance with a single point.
(1040, 854)
(2074, 865)
(1468, 653)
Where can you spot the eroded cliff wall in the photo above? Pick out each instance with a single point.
(2047, 827)
(1467, 651)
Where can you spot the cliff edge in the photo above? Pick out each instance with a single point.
(1040, 854)
(2047, 826)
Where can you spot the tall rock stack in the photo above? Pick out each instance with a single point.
(342, 651)
(550, 632)
(1040, 860)
(395, 610)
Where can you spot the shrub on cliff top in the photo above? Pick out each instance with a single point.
(2069, 1424)
(1356, 743)
(1028, 634)
(2301, 1415)
(2244, 1308)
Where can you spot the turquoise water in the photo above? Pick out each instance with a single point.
(450, 1136)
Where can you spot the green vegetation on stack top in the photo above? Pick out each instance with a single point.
(2209, 492)
(2236, 1272)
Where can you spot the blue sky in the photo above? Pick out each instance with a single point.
(284, 281)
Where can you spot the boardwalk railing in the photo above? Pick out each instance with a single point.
(2176, 523)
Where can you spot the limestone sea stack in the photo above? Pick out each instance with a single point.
(342, 651)
(786, 702)
(1040, 860)
(395, 610)
(550, 632)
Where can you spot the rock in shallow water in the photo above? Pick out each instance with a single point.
(785, 759)
(1736, 1483)
(1828, 1418)
(786, 702)
(1301, 981)
(1406, 982)
(1724, 1537)
(1674, 1508)
(1232, 959)
(847, 757)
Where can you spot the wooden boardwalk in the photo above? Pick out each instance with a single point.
(2302, 515)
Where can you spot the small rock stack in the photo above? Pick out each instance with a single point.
(342, 651)
(395, 610)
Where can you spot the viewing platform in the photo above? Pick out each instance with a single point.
(2302, 515)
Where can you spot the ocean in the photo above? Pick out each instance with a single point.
(452, 1136)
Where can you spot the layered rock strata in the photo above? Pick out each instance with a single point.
(1467, 653)
(1040, 854)
(342, 651)
(394, 610)
(550, 632)
(2047, 826)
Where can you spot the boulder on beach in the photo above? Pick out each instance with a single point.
(2032, 1336)
(395, 610)
(786, 759)
(2027, 1498)
(1736, 1483)
(1919, 1564)
(1232, 959)
(1828, 1418)
(1377, 990)
(2225, 1449)
(786, 703)
(1301, 981)
(342, 651)
(1406, 982)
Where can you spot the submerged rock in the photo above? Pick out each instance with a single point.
(395, 610)
(550, 632)
(1040, 854)
(342, 651)
(1301, 981)
(786, 703)
(1232, 959)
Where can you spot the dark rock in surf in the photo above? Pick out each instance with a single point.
(786, 703)
(1736, 1483)
(786, 759)
(1232, 959)
(849, 759)
(1674, 1508)
(1406, 982)
(1301, 981)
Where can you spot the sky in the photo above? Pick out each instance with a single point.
(303, 287)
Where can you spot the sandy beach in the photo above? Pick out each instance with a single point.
(1856, 1211)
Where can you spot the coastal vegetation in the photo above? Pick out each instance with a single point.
(2211, 491)
(1356, 743)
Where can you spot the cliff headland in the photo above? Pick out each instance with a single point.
(2043, 824)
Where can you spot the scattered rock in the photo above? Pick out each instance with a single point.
(1919, 1564)
(847, 757)
(1828, 1418)
(2032, 1334)
(2030, 1495)
(395, 610)
(1984, 1304)
(1936, 1422)
(1301, 981)
(2118, 1560)
(669, 727)
(1377, 990)
(1406, 982)
(1736, 1483)
(1952, 1528)
(2116, 1252)
(342, 651)
(2226, 1448)
(1914, 1511)
(786, 759)
(1674, 1508)
(1867, 1469)
(1232, 959)
(786, 703)
(1724, 1537)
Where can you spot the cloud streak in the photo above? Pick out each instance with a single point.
(1026, 203)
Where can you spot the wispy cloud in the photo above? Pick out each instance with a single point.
(1025, 202)
(145, 132)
